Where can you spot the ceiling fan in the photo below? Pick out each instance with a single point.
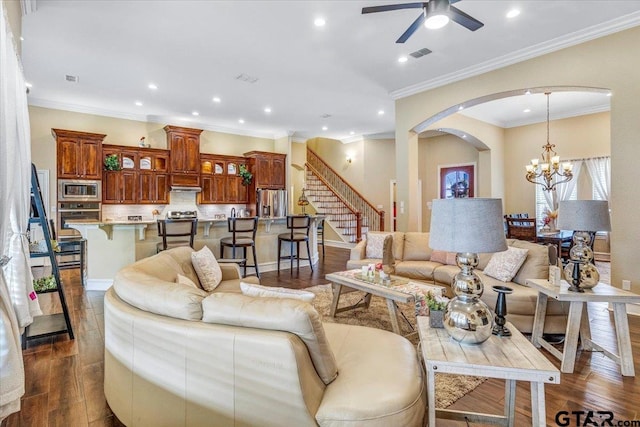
(435, 14)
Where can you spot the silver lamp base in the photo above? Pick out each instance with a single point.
(467, 319)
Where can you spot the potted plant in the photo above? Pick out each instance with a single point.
(111, 162)
(436, 304)
(245, 175)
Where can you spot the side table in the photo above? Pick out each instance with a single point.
(578, 322)
(510, 358)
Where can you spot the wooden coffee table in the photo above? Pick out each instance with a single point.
(348, 281)
(511, 358)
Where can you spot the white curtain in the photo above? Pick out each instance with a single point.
(564, 190)
(19, 302)
(600, 171)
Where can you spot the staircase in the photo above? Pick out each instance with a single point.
(346, 211)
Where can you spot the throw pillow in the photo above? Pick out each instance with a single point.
(254, 290)
(451, 258)
(505, 265)
(207, 268)
(375, 245)
(184, 280)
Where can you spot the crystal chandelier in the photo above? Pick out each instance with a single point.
(547, 173)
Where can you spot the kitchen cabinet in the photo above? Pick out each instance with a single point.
(79, 154)
(121, 186)
(153, 176)
(269, 169)
(220, 180)
(184, 145)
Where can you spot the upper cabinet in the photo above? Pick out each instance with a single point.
(268, 169)
(184, 144)
(79, 154)
(220, 181)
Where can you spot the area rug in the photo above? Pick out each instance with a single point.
(449, 388)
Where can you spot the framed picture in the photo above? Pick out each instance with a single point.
(457, 181)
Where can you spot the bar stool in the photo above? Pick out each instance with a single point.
(243, 235)
(321, 235)
(298, 226)
(173, 228)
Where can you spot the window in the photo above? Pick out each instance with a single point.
(542, 205)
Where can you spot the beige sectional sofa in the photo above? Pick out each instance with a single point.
(413, 260)
(176, 355)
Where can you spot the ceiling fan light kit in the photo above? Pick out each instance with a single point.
(436, 14)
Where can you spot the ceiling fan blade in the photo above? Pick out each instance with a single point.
(463, 19)
(412, 29)
(374, 9)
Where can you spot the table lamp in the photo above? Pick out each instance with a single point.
(582, 216)
(467, 226)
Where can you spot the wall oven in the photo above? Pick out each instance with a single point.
(76, 190)
(87, 211)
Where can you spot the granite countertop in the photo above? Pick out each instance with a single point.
(147, 221)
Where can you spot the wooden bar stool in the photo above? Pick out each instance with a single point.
(298, 226)
(321, 235)
(243, 235)
(176, 228)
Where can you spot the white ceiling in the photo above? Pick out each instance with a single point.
(348, 69)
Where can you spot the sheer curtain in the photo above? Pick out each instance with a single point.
(599, 169)
(19, 302)
(564, 190)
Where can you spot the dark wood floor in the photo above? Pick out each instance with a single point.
(64, 378)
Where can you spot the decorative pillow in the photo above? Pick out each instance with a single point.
(184, 280)
(451, 258)
(254, 290)
(505, 265)
(207, 268)
(375, 245)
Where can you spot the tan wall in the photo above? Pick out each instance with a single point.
(600, 63)
(441, 151)
(121, 132)
(575, 138)
(14, 16)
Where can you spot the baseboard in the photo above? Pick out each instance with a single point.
(633, 309)
(98, 284)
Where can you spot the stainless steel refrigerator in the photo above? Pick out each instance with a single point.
(271, 203)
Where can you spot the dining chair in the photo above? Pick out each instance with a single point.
(243, 235)
(522, 229)
(298, 226)
(176, 232)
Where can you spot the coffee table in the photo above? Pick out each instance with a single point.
(578, 322)
(348, 281)
(510, 358)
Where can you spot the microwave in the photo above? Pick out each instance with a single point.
(79, 190)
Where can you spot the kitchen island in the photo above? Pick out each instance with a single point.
(112, 245)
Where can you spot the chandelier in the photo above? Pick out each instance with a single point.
(547, 173)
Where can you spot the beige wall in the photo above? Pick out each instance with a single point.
(575, 138)
(121, 132)
(601, 63)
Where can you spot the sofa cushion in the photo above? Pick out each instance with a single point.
(184, 280)
(445, 273)
(416, 246)
(504, 265)
(375, 245)
(281, 314)
(536, 265)
(254, 290)
(421, 270)
(207, 268)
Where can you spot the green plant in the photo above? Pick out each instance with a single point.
(436, 302)
(111, 162)
(44, 284)
(245, 175)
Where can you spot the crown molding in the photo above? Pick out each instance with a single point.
(44, 103)
(597, 31)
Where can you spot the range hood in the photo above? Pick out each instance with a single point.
(184, 188)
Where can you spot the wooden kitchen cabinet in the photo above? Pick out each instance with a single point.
(184, 145)
(269, 169)
(220, 180)
(119, 187)
(79, 154)
(153, 187)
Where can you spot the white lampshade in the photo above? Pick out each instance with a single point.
(584, 215)
(467, 225)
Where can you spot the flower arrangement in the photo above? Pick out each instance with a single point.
(549, 218)
(245, 174)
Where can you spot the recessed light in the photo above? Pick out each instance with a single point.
(528, 92)
(216, 100)
(138, 103)
(267, 110)
(152, 86)
(27, 84)
(21, 39)
(195, 113)
(319, 22)
(526, 110)
(461, 108)
(513, 13)
(464, 135)
(241, 121)
(380, 112)
(609, 94)
(324, 128)
(352, 133)
(403, 59)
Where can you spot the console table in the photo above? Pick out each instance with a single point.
(578, 322)
(510, 358)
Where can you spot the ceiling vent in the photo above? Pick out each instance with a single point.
(73, 79)
(325, 116)
(420, 53)
(246, 78)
